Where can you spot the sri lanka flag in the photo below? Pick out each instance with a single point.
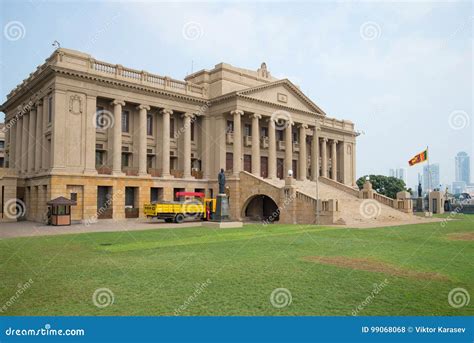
(421, 157)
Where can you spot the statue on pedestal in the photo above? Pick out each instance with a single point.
(221, 181)
(222, 204)
(420, 191)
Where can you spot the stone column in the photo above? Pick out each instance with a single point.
(39, 134)
(18, 141)
(303, 158)
(206, 147)
(31, 140)
(288, 148)
(271, 149)
(315, 155)
(165, 155)
(45, 156)
(334, 160)
(142, 139)
(256, 145)
(324, 157)
(24, 143)
(187, 145)
(12, 147)
(90, 125)
(117, 138)
(237, 141)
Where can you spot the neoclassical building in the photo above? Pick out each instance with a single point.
(114, 138)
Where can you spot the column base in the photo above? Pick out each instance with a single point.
(144, 175)
(90, 172)
(118, 173)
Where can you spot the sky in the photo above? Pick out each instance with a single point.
(401, 71)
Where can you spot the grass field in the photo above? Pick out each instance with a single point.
(199, 271)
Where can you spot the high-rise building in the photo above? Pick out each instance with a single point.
(430, 177)
(462, 167)
(399, 173)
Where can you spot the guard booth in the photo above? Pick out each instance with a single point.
(59, 211)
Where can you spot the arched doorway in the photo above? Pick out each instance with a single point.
(261, 208)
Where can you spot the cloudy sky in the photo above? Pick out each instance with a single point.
(402, 71)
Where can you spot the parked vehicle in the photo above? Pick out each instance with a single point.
(191, 205)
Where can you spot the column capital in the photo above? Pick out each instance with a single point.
(166, 111)
(39, 102)
(237, 112)
(117, 102)
(303, 126)
(255, 116)
(143, 107)
(188, 115)
(324, 139)
(335, 141)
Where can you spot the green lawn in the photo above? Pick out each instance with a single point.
(155, 272)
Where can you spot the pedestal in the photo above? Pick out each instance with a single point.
(222, 208)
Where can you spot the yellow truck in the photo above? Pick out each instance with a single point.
(194, 206)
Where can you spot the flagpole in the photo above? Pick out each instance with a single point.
(429, 170)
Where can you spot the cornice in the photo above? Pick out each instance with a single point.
(127, 85)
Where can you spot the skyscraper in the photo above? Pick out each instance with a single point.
(399, 173)
(430, 177)
(462, 167)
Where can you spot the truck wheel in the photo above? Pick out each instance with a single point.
(179, 218)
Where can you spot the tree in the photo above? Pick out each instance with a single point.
(386, 185)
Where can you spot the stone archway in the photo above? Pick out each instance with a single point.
(260, 207)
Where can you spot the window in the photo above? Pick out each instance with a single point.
(149, 162)
(171, 127)
(295, 135)
(125, 121)
(99, 117)
(279, 135)
(192, 131)
(264, 131)
(2, 162)
(74, 196)
(230, 126)
(149, 125)
(247, 130)
(2, 144)
(99, 158)
(125, 160)
(50, 109)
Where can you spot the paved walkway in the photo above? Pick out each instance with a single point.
(28, 229)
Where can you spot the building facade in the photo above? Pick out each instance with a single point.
(113, 138)
(431, 178)
(2, 145)
(462, 166)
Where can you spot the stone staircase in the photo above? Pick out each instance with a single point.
(353, 211)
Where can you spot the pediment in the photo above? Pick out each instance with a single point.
(284, 93)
